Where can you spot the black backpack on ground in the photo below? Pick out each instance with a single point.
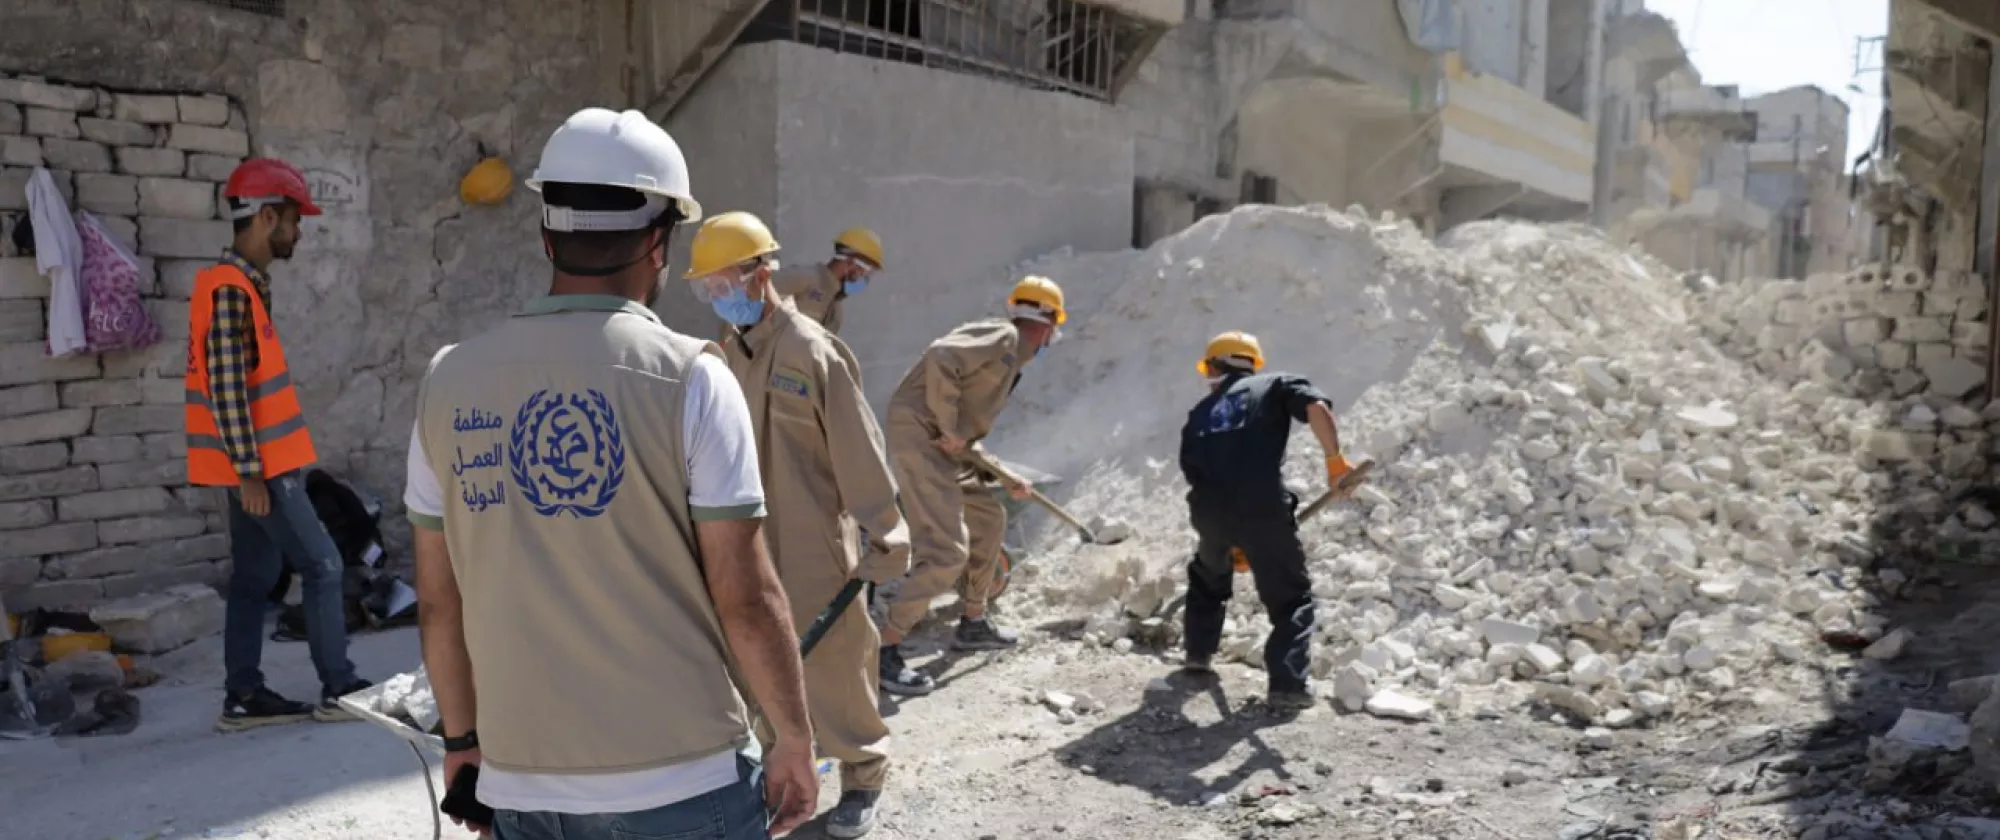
(353, 520)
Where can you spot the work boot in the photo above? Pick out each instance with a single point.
(855, 814)
(983, 634)
(329, 711)
(262, 707)
(899, 678)
(1289, 701)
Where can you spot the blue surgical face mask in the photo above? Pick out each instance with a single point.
(854, 287)
(737, 308)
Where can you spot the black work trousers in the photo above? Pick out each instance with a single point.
(1269, 538)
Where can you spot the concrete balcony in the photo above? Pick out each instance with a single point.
(1705, 112)
(1650, 42)
(1362, 44)
(1496, 133)
(1735, 214)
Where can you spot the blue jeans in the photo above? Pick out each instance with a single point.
(732, 812)
(259, 546)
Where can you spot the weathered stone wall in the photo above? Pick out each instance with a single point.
(1875, 331)
(385, 105)
(92, 484)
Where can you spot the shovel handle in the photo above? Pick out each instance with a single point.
(817, 629)
(1347, 486)
(987, 463)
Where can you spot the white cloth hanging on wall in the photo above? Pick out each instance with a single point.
(59, 256)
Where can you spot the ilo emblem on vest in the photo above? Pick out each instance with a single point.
(566, 453)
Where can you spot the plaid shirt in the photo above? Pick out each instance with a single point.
(232, 354)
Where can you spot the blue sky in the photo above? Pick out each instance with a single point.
(1766, 45)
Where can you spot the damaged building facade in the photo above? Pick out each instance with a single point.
(972, 134)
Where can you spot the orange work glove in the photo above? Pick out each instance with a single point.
(1238, 559)
(1337, 469)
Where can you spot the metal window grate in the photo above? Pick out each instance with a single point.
(1064, 45)
(270, 8)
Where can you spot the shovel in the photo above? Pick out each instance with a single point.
(1112, 533)
(817, 629)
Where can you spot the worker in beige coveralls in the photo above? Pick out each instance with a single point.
(819, 290)
(944, 406)
(823, 469)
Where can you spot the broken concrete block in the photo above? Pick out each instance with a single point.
(161, 621)
(1393, 704)
(1889, 646)
(1865, 332)
(1954, 378)
(1499, 631)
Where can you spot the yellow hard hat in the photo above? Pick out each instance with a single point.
(488, 182)
(1041, 292)
(1232, 344)
(863, 242)
(727, 239)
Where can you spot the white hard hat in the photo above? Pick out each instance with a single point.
(608, 148)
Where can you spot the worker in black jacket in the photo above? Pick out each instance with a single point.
(1232, 453)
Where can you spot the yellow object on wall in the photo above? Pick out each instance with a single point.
(488, 182)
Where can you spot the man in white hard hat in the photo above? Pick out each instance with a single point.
(595, 569)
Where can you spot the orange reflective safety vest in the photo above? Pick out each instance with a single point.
(283, 444)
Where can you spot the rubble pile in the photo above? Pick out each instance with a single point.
(1582, 501)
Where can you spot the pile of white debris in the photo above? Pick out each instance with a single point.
(1583, 499)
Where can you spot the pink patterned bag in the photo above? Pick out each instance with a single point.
(114, 319)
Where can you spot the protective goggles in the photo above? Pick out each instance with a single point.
(709, 287)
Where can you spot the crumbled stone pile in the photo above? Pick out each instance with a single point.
(1584, 501)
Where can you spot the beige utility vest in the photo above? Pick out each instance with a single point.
(820, 452)
(962, 381)
(557, 438)
(815, 291)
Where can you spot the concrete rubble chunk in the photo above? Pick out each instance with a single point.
(1933, 730)
(1499, 631)
(1393, 704)
(1954, 378)
(1890, 646)
(163, 621)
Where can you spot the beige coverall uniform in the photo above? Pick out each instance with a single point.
(815, 290)
(959, 385)
(824, 473)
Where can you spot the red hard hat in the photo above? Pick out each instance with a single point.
(270, 178)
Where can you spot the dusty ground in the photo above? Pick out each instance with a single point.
(1174, 759)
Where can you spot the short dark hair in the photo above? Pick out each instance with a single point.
(601, 247)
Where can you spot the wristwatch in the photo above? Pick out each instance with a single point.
(461, 743)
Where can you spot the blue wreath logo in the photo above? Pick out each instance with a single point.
(566, 454)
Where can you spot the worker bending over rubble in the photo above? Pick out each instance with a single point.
(1233, 455)
(593, 579)
(824, 472)
(945, 405)
(819, 290)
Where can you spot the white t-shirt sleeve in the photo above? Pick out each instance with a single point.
(721, 445)
(422, 494)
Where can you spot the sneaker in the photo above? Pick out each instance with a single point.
(329, 711)
(983, 634)
(262, 707)
(1289, 701)
(1196, 663)
(899, 678)
(854, 815)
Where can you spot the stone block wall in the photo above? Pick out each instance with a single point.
(1875, 331)
(94, 502)
(384, 105)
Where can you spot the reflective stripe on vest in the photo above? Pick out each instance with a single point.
(282, 440)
